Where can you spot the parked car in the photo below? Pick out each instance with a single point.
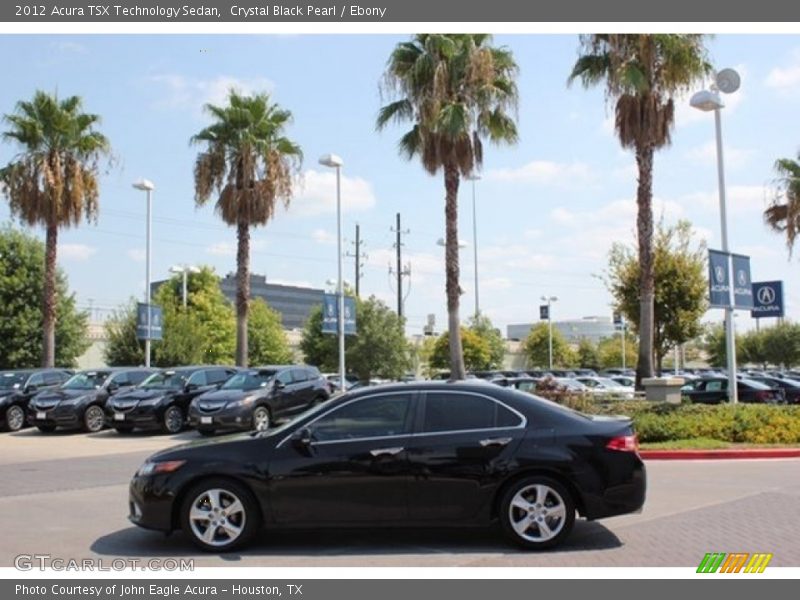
(715, 391)
(80, 402)
(624, 380)
(618, 371)
(789, 387)
(418, 454)
(585, 373)
(572, 385)
(605, 387)
(333, 381)
(17, 387)
(256, 398)
(162, 400)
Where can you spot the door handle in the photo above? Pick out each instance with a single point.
(386, 451)
(495, 442)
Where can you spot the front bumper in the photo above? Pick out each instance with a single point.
(144, 417)
(240, 417)
(58, 416)
(150, 504)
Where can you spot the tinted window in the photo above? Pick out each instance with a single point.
(374, 416)
(122, 379)
(248, 380)
(169, 380)
(52, 378)
(299, 375)
(137, 377)
(461, 412)
(36, 379)
(88, 380)
(313, 373)
(284, 377)
(217, 375)
(714, 386)
(12, 380)
(198, 378)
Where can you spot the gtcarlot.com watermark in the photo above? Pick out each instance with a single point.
(43, 562)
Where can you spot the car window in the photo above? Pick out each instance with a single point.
(137, 377)
(86, 380)
(285, 377)
(36, 379)
(215, 376)
(52, 378)
(198, 378)
(313, 373)
(299, 375)
(373, 416)
(452, 411)
(122, 379)
(714, 386)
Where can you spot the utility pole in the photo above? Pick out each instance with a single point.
(358, 256)
(400, 272)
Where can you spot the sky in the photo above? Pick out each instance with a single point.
(548, 209)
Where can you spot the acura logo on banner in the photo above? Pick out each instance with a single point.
(767, 299)
(718, 286)
(544, 312)
(742, 289)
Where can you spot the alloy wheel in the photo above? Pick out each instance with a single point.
(537, 513)
(261, 420)
(15, 418)
(173, 420)
(217, 517)
(94, 419)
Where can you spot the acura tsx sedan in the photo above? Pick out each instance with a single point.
(416, 454)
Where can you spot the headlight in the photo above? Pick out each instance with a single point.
(247, 401)
(167, 466)
(151, 401)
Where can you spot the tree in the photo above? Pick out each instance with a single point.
(642, 74)
(250, 165)
(53, 181)
(716, 349)
(781, 345)
(202, 333)
(456, 90)
(680, 286)
(609, 351)
(588, 355)
(482, 326)
(22, 267)
(267, 343)
(783, 214)
(477, 351)
(537, 348)
(379, 349)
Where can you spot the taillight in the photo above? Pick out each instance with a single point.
(624, 443)
(764, 396)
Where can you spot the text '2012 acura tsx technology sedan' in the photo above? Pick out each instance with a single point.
(418, 454)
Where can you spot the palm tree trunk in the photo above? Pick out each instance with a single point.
(644, 227)
(452, 286)
(49, 298)
(242, 291)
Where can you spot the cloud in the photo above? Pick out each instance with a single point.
(616, 212)
(323, 236)
(544, 172)
(222, 249)
(316, 194)
(188, 93)
(787, 78)
(76, 252)
(738, 199)
(707, 154)
(136, 254)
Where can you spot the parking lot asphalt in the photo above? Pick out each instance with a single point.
(66, 495)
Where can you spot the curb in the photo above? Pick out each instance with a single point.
(725, 454)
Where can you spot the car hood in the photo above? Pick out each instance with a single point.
(52, 397)
(133, 397)
(218, 397)
(185, 451)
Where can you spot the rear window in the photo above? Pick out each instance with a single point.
(453, 411)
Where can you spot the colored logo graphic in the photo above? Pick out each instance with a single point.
(738, 562)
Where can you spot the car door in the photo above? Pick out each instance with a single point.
(33, 386)
(284, 399)
(303, 389)
(463, 443)
(354, 470)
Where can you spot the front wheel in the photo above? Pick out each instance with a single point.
(15, 418)
(173, 420)
(537, 512)
(94, 419)
(261, 418)
(220, 515)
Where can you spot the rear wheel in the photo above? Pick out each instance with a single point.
(15, 418)
(220, 515)
(261, 418)
(537, 512)
(173, 420)
(94, 419)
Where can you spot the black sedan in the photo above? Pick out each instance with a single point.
(17, 387)
(790, 387)
(714, 390)
(162, 401)
(80, 402)
(417, 454)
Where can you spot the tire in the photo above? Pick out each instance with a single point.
(15, 418)
(46, 428)
(262, 419)
(123, 429)
(94, 419)
(319, 400)
(173, 420)
(206, 432)
(537, 513)
(219, 531)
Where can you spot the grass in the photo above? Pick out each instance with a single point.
(690, 444)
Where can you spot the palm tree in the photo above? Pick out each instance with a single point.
(456, 90)
(642, 74)
(783, 214)
(53, 181)
(250, 165)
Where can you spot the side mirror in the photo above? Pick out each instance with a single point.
(31, 388)
(190, 387)
(301, 440)
(279, 385)
(112, 387)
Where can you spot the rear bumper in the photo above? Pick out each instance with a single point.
(621, 498)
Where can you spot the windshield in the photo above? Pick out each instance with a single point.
(756, 385)
(88, 380)
(166, 380)
(249, 381)
(608, 382)
(9, 381)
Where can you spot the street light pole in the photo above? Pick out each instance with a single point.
(726, 81)
(331, 160)
(184, 270)
(148, 187)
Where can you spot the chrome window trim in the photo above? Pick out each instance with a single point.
(522, 425)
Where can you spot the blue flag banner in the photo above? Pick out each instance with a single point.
(156, 320)
(544, 312)
(767, 299)
(330, 312)
(742, 284)
(718, 285)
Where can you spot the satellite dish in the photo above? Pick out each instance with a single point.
(728, 81)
